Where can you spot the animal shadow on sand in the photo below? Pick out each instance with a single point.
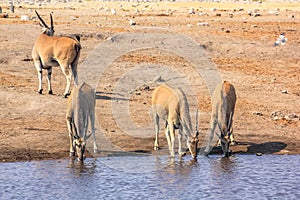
(265, 148)
(252, 148)
(109, 96)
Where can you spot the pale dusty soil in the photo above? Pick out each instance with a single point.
(33, 127)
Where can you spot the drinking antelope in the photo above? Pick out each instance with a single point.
(51, 51)
(223, 104)
(171, 105)
(81, 113)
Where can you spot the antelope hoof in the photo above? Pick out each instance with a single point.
(206, 153)
(96, 151)
(66, 95)
(233, 143)
(182, 154)
(227, 154)
(40, 91)
(72, 154)
(156, 148)
(50, 92)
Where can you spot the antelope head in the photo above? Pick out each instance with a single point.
(224, 139)
(79, 145)
(193, 141)
(47, 30)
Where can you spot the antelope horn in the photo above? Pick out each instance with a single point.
(51, 20)
(197, 120)
(42, 21)
(230, 122)
(222, 139)
(219, 125)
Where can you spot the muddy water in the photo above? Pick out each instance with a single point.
(154, 177)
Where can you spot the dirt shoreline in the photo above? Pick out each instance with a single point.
(266, 78)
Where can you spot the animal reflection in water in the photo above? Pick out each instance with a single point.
(180, 167)
(81, 113)
(80, 168)
(223, 164)
(170, 104)
(223, 104)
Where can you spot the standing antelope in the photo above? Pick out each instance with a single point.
(80, 113)
(223, 103)
(51, 51)
(170, 104)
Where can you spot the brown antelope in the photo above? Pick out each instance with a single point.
(170, 104)
(51, 51)
(223, 104)
(81, 113)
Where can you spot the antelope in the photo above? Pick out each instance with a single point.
(223, 104)
(171, 105)
(53, 51)
(80, 113)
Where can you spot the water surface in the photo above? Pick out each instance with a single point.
(154, 177)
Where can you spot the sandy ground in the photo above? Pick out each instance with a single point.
(266, 78)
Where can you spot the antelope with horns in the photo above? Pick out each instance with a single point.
(52, 51)
(223, 104)
(171, 105)
(81, 113)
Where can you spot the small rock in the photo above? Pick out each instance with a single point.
(281, 40)
(203, 24)
(3, 15)
(291, 16)
(191, 10)
(73, 18)
(203, 14)
(113, 11)
(256, 15)
(147, 87)
(284, 92)
(137, 93)
(110, 39)
(132, 22)
(25, 18)
(277, 115)
(257, 113)
(291, 116)
(273, 13)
